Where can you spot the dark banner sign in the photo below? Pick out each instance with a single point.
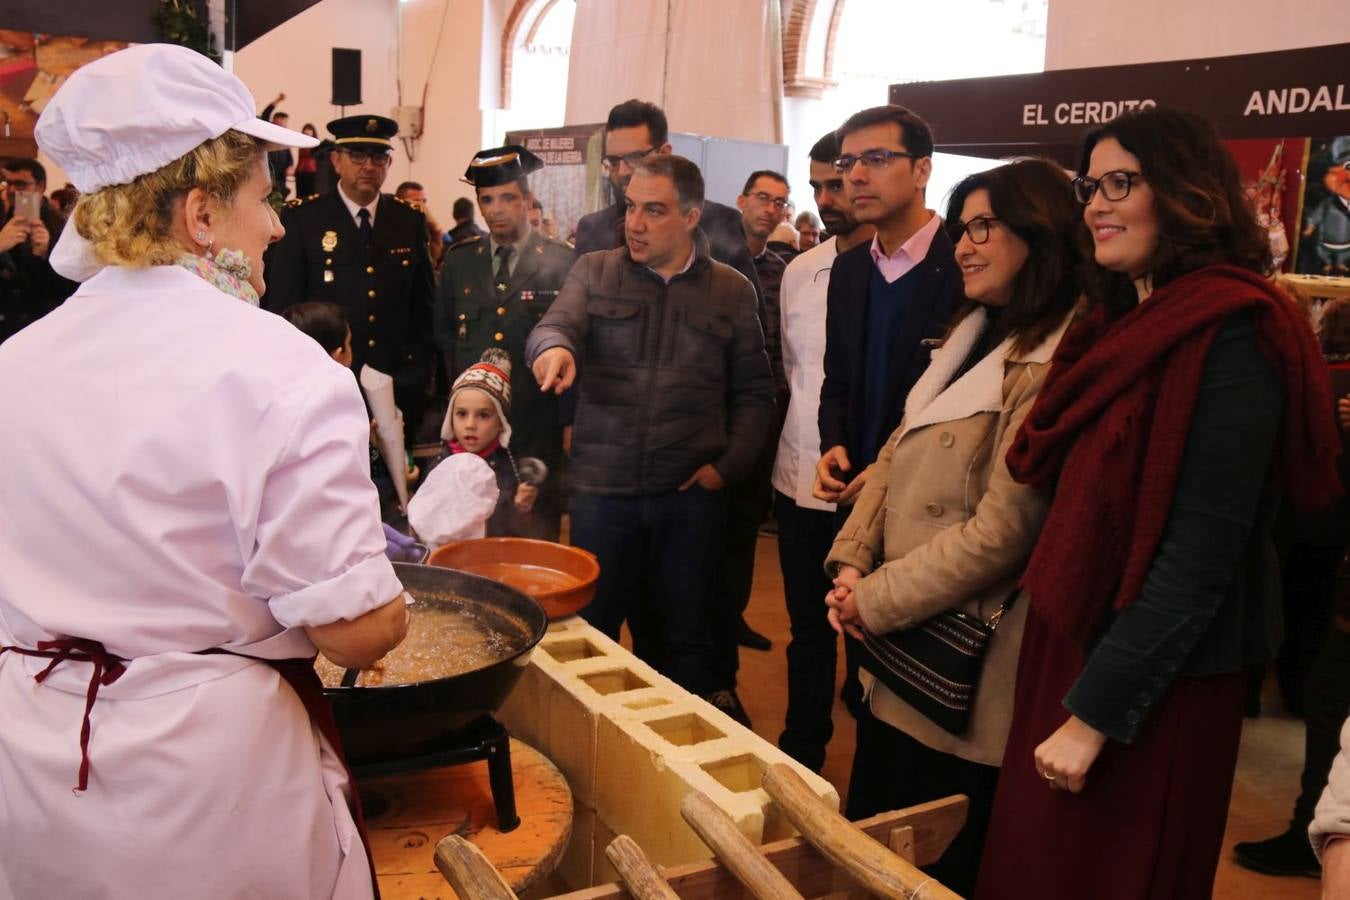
(1252, 96)
(571, 183)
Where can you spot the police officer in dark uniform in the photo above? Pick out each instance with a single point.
(494, 289)
(367, 252)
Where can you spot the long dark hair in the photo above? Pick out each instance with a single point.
(1204, 217)
(1034, 199)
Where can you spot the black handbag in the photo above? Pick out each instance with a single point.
(935, 666)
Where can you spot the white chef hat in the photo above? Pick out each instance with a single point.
(455, 501)
(135, 111)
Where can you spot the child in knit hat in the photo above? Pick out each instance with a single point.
(477, 421)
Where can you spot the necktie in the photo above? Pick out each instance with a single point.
(503, 255)
(364, 227)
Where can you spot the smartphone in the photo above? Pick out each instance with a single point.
(28, 204)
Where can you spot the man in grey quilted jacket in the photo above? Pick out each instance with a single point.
(676, 401)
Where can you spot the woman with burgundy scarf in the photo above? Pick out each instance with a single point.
(1179, 413)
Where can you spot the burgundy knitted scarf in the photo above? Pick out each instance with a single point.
(1109, 428)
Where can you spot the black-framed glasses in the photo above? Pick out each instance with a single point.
(612, 161)
(778, 203)
(977, 229)
(379, 158)
(871, 159)
(1113, 185)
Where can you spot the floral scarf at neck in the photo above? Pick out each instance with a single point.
(223, 272)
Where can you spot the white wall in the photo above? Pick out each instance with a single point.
(296, 59)
(443, 60)
(1082, 33)
(715, 67)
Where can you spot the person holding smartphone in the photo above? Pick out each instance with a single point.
(29, 226)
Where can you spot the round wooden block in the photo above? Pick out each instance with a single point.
(407, 814)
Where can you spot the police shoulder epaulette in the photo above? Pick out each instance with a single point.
(407, 203)
(301, 201)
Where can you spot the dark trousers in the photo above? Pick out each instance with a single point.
(1309, 577)
(891, 770)
(1327, 696)
(748, 502)
(804, 539)
(659, 558)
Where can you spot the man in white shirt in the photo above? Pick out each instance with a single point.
(806, 525)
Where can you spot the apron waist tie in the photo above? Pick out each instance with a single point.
(107, 669)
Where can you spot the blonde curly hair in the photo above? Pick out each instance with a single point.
(132, 224)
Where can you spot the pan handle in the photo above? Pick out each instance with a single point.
(424, 550)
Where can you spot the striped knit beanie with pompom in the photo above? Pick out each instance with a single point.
(491, 375)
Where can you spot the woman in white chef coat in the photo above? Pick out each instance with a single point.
(185, 515)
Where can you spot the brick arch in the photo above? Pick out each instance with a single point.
(801, 16)
(522, 11)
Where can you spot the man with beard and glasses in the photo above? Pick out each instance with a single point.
(806, 525)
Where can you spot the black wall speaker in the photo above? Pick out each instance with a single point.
(346, 77)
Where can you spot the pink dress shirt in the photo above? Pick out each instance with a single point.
(907, 255)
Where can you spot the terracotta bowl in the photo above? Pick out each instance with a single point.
(560, 578)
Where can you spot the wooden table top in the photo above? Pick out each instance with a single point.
(407, 814)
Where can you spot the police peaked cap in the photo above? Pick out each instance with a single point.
(370, 133)
(501, 165)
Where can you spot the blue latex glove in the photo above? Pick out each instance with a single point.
(399, 547)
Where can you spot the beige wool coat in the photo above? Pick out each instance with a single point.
(942, 525)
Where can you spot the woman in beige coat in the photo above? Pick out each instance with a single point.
(941, 525)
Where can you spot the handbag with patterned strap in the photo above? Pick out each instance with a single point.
(935, 666)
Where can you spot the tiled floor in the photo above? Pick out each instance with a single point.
(1268, 768)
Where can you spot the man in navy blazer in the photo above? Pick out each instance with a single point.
(886, 300)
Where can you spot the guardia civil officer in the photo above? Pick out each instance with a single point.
(494, 288)
(367, 252)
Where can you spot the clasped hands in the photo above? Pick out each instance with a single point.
(842, 606)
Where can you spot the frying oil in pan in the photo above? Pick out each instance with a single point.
(447, 636)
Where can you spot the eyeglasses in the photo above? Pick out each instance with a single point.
(778, 203)
(20, 184)
(977, 229)
(612, 161)
(361, 157)
(1113, 185)
(871, 159)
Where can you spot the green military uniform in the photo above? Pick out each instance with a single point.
(475, 310)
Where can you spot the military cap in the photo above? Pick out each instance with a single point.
(501, 165)
(370, 133)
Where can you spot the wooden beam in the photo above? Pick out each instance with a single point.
(872, 864)
(469, 872)
(935, 824)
